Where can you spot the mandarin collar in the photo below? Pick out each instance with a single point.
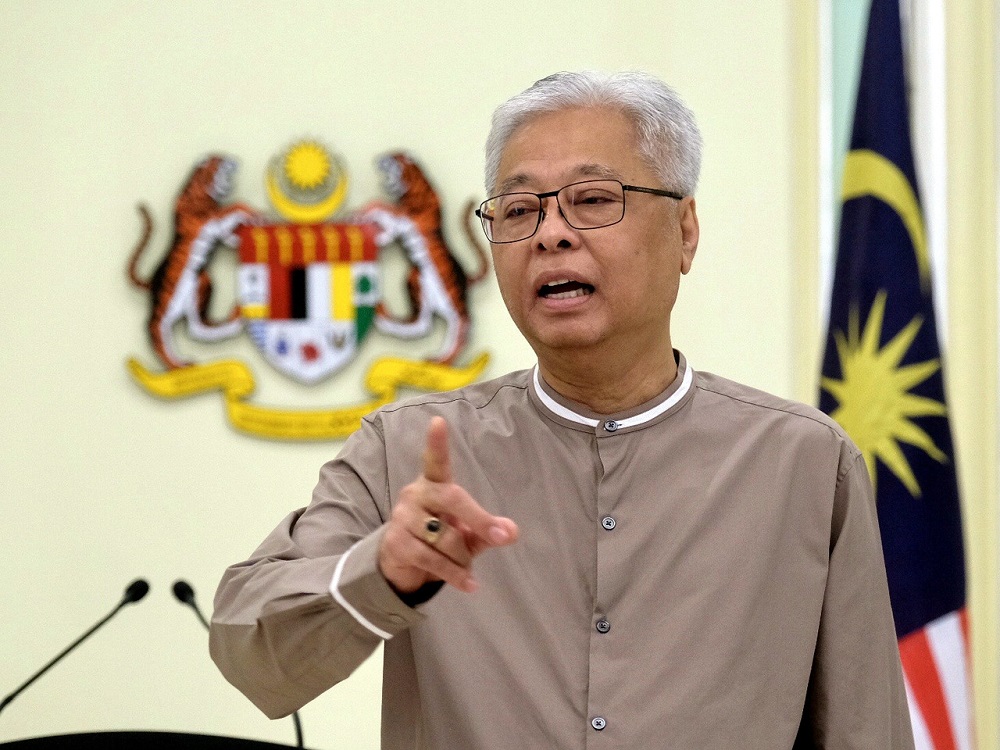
(577, 416)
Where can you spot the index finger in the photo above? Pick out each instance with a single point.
(456, 504)
(437, 463)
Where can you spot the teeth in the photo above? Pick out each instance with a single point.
(569, 295)
(565, 289)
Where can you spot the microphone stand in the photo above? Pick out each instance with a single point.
(185, 595)
(136, 590)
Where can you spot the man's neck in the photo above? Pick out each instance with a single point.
(608, 385)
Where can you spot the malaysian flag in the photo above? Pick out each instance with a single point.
(883, 382)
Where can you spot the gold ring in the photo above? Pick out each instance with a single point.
(433, 528)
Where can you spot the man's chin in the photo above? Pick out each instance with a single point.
(564, 340)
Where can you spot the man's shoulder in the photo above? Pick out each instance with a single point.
(477, 396)
(749, 400)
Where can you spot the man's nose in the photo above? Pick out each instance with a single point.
(554, 231)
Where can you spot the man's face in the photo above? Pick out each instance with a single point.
(624, 277)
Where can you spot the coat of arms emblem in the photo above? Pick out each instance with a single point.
(308, 294)
(309, 291)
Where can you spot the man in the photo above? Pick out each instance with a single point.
(608, 550)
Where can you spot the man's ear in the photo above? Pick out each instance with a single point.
(689, 233)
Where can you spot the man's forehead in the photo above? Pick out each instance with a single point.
(555, 148)
(531, 178)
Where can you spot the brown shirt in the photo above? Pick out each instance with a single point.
(703, 571)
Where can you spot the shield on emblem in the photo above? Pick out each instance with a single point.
(308, 293)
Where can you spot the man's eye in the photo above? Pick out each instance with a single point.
(594, 198)
(519, 210)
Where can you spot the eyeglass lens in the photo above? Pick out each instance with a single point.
(585, 205)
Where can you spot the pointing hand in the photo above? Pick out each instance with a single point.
(411, 554)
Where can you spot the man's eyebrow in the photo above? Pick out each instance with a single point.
(514, 181)
(600, 171)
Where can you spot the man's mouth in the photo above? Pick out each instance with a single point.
(565, 289)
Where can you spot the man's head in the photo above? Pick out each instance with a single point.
(587, 288)
(667, 135)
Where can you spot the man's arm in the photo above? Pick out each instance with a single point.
(856, 698)
(279, 633)
(331, 582)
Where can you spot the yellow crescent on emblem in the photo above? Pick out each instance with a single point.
(304, 213)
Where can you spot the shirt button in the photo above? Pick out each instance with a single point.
(608, 522)
(611, 425)
(598, 723)
(603, 626)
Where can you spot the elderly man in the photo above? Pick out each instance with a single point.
(610, 549)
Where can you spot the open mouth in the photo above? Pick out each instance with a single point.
(565, 289)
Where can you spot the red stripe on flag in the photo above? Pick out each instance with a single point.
(925, 684)
(963, 621)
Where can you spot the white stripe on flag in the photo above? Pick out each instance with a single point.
(948, 648)
(318, 291)
(921, 737)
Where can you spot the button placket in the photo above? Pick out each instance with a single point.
(611, 453)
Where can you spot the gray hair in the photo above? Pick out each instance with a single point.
(668, 135)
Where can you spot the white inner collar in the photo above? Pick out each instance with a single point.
(561, 411)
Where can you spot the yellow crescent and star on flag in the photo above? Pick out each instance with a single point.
(308, 294)
(876, 406)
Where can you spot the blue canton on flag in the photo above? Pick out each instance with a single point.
(883, 382)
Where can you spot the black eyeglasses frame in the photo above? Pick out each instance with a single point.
(483, 218)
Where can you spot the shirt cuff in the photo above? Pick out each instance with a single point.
(360, 588)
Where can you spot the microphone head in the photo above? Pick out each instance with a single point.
(183, 592)
(135, 591)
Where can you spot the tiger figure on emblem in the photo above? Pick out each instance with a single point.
(437, 284)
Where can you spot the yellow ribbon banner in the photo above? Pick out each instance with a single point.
(384, 379)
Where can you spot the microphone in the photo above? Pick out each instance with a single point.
(135, 591)
(185, 595)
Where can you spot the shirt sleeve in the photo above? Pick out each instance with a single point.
(856, 698)
(310, 605)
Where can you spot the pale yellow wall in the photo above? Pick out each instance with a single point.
(972, 245)
(107, 103)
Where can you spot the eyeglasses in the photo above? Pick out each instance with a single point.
(512, 217)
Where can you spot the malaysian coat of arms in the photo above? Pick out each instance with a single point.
(309, 290)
